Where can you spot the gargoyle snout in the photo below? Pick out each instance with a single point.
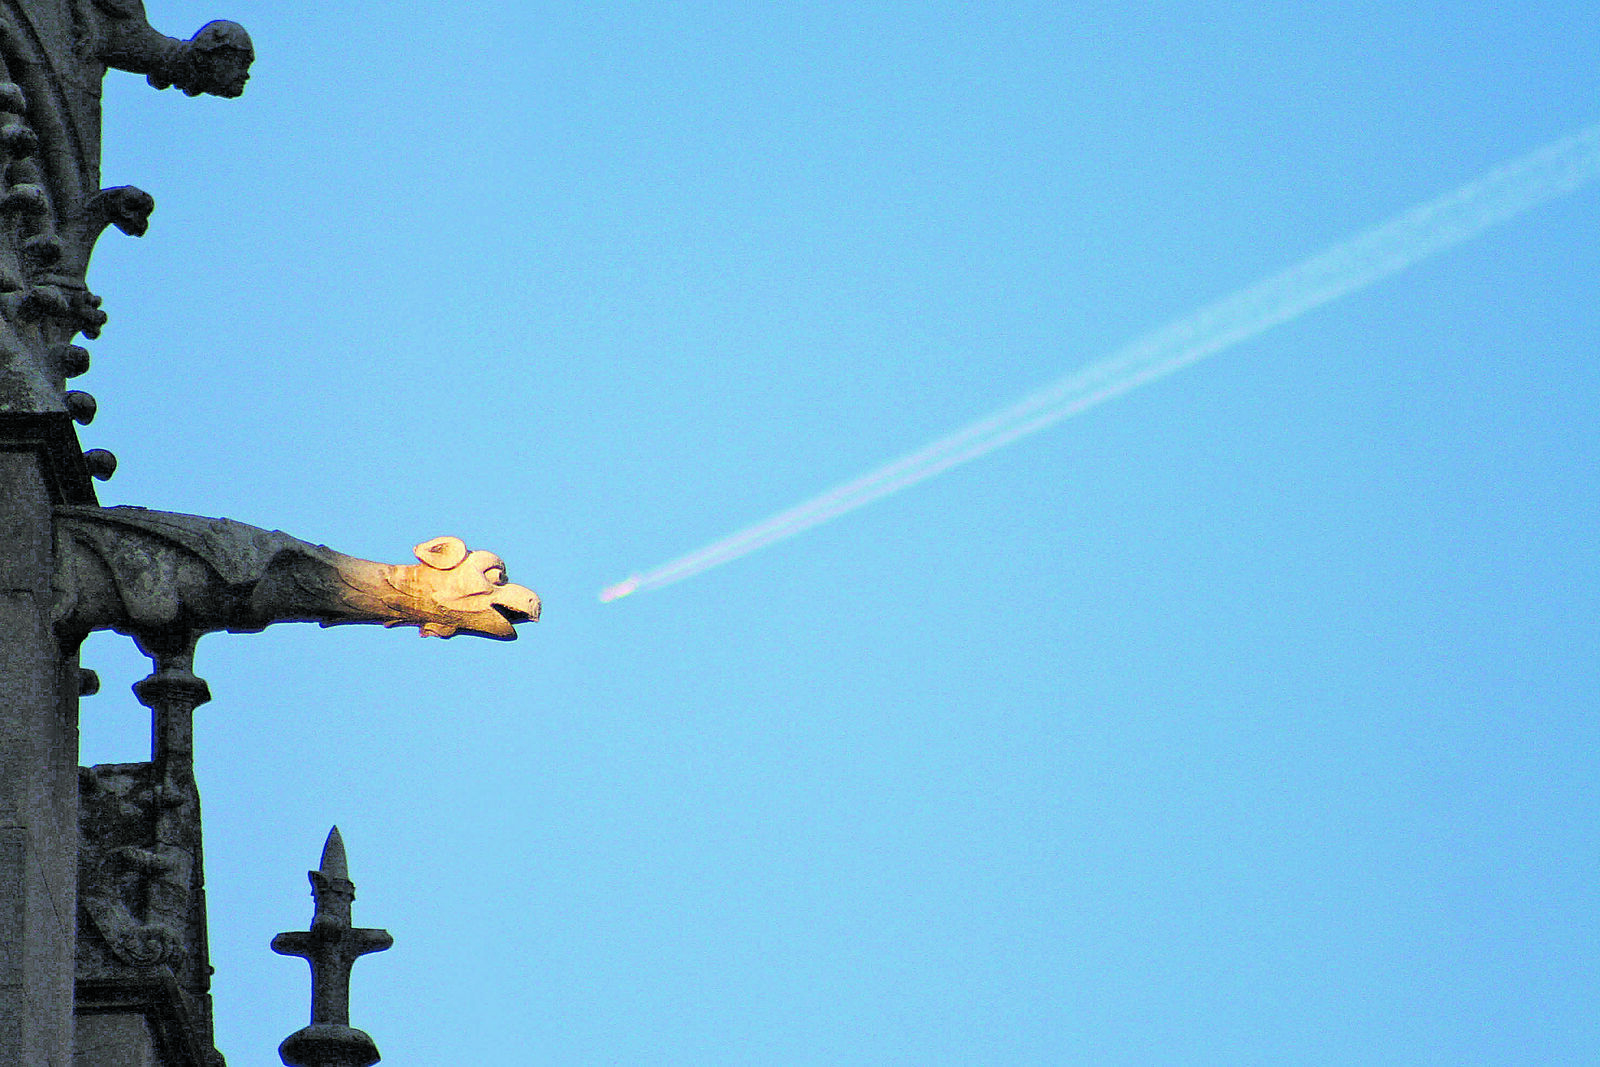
(517, 603)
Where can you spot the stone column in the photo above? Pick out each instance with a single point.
(38, 782)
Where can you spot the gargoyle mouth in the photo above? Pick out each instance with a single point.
(514, 615)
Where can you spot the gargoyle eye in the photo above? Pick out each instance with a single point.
(496, 575)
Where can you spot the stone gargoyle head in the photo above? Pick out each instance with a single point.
(215, 60)
(469, 586)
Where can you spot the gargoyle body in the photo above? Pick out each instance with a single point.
(153, 572)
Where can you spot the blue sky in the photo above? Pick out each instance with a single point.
(1249, 718)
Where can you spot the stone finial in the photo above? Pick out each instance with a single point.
(331, 947)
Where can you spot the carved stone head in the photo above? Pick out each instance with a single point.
(215, 60)
(469, 586)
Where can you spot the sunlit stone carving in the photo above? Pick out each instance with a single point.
(148, 572)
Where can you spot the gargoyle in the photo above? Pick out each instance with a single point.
(148, 572)
(215, 60)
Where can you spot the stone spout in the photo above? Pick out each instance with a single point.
(141, 572)
(215, 60)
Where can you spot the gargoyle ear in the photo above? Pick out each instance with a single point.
(442, 552)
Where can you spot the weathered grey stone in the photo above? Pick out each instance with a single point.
(115, 1039)
(154, 1016)
(331, 947)
(135, 890)
(152, 572)
(215, 60)
(38, 748)
(142, 938)
(142, 942)
(53, 55)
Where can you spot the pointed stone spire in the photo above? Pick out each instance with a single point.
(331, 947)
(333, 863)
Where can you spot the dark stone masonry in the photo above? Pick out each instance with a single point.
(103, 946)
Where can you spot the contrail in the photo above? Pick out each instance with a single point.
(1503, 193)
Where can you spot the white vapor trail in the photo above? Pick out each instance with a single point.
(1503, 193)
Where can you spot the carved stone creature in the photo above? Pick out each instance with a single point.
(215, 60)
(138, 894)
(148, 572)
